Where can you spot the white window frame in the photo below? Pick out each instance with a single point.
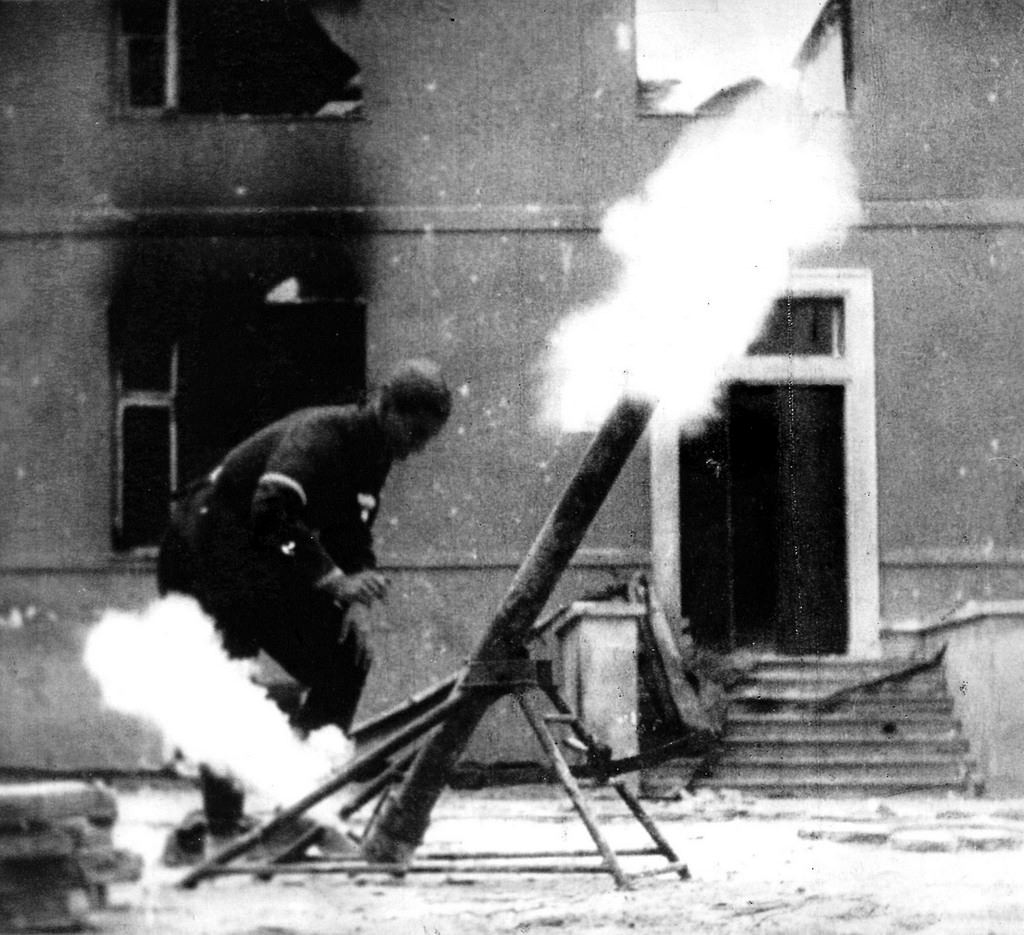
(172, 58)
(854, 370)
(144, 399)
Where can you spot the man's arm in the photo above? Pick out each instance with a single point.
(279, 525)
(295, 471)
(349, 542)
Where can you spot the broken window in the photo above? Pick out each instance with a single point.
(238, 57)
(199, 373)
(693, 56)
(802, 325)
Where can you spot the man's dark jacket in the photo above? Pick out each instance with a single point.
(297, 500)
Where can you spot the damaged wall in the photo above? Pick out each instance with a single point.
(461, 257)
(492, 136)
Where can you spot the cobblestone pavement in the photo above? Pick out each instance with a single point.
(870, 867)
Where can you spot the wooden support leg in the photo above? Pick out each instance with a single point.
(568, 781)
(572, 719)
(633, 804)
(377, 786)
(346, 775)
(624, 792)
(402, 823)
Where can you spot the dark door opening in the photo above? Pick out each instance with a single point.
(763, 523)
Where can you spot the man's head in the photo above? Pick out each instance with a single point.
(414, 403)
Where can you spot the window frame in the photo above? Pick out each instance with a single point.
(126, 400)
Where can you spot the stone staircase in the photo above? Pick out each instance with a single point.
(898, 737)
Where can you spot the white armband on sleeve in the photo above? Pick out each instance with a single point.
(283, 480)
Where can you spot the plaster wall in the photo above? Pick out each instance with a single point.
(487, 104)
(55, 380)
(984, 655)
(454, 524)
(936, 99)
(493, 135)
(949, 333)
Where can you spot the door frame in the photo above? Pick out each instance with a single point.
(854, 370)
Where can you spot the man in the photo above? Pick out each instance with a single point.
(275, 544)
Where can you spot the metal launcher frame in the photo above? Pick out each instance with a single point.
(375, 771)
(414, 748)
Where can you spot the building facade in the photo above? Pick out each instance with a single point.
(186, 253)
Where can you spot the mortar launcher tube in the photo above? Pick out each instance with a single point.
(404, 816)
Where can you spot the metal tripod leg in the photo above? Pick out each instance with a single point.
(568, 781)
(372, 758)
(577, 726)
(632, 802)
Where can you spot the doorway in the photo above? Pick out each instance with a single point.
(764, 527)
(762, 522)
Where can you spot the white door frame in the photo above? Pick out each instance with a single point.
(853, 369)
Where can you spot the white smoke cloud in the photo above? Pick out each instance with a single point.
(166, 665)
(705, 248)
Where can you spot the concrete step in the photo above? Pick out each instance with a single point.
(900, 736)
(865, 712)
(895, 751)
(825, 681)
(846, 731)
(867, 704)
(831, 667)
(795, 689)
(824, 790)
(843, 768)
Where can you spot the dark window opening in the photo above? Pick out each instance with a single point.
(243, 367)
(146, 72)
(188, 392)
(802, 326)
(146, 457)
(235, 57)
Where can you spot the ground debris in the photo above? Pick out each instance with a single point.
(924, 840)
(951, 834)
(988, 839)
(918, 923)
(771, 905)
(848, 833)
(857, 909)
(754, 875)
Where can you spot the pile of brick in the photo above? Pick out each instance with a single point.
(57, 856)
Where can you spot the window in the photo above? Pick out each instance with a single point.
(802, 326)
(146, 444)
(693, 56)
(234, 57)
(190, 388)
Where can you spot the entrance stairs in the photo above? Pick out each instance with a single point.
(891, 738)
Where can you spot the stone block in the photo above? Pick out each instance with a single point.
(598, 644)
(925, 840)
(47, 802)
